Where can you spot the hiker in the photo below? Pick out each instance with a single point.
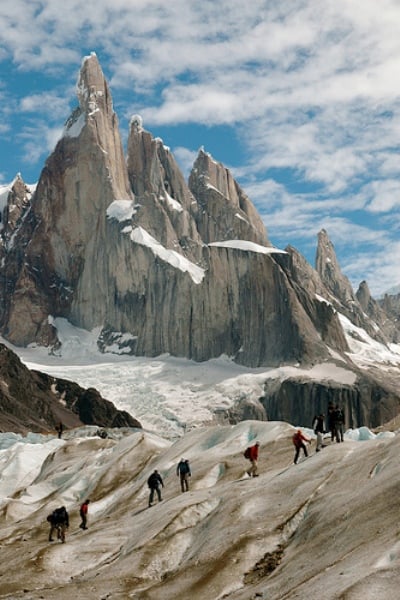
(252, 454)
(299, 441)
(154, 482)
(183, 471)
(331, 420)
(59, 521)
(60, 429)
(319, 430)
(339, 423)
(83, 511)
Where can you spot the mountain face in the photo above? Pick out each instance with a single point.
(127, 248)
(34, 401)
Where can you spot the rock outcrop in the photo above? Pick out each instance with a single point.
(224, 210)
(315, 299)
(34, 401)
(328, 268)
(341, 292)
(164, 203)
(66, 261)
(365, 402)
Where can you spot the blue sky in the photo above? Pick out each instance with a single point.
(300, 98)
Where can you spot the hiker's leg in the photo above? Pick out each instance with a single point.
(151, 497)
(52, 530)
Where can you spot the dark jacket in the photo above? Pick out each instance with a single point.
(339, 416)
(60, 517)
(318, 424)
(183, 468)
(155, 480)
(331, 416)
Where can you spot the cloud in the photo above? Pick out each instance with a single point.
(382, 196)
(185, 158)
(378, 267)
(46, 102)
(38, 141)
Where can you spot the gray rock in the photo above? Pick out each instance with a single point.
(224, 210)
(368, 402)
(34, 401)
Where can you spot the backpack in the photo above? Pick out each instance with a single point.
(59, 516)
(184, 467)
(247, 452)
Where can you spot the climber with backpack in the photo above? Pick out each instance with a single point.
(251, 453)
(183, 472)
(154, 482)
(59, 521)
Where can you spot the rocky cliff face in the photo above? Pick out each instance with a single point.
(128, 248)
(390, 305)
(361, 309)
(165, 205)
(33, 401)
(366, 401)
(224, 211)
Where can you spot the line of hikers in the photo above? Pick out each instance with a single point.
(335, 428)
(59, 518)
(59, 521)
(155, 481)
(299, 439)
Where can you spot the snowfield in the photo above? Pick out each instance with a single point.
(327, 527)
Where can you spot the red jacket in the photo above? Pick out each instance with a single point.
(253, 452)
(298, 439)
(84, 508)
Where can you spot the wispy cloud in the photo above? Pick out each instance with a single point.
(31, 136)
(47, 102)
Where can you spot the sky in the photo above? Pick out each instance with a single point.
(299, 98)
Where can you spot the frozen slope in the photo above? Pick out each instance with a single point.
(327, 527)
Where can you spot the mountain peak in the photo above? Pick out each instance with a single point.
(92, 87)
(228, 212)
(329, 270)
